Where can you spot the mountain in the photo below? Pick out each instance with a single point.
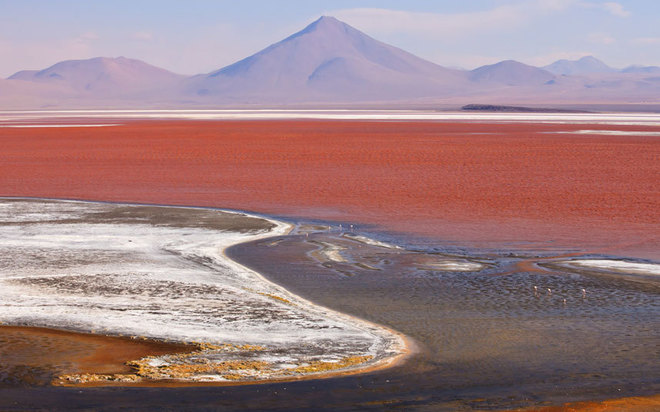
(102, 76)
(585, 65)
(19, 94)
(641, 69)
(511, 73)
(328, 61)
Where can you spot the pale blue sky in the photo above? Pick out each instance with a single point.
(199, 36)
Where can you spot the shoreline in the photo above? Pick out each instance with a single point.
(342, 173)
(397, 341)
(623, 404)
(95, 353)
(35, 117)
(171, 383)
(151, 347)
(391, 362)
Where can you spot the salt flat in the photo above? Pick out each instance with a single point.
(161, 273)
(613, 265)
(642, 119)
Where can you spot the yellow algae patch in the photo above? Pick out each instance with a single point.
(281, 299)
(204, 367)
(270, 295)
(182, 366)
(324, 366)
(99, 378)
(197, 366)
(366, 266)
(187, 365)
(227, 347)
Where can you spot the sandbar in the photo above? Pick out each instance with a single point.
(160, 274)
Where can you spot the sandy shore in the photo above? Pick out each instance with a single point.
(30, 350)
(161, 273)
(53, 353)
(635, 404)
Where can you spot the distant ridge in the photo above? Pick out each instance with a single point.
(102, 76)
(511, 73)
(642, 69)
(516, 109)
(584, 65)
(330, 64)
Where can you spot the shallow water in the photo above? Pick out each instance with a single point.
(486, 339)
(486, 334)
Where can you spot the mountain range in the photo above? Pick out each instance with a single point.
(328, 63)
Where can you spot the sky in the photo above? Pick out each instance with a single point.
(199, 36)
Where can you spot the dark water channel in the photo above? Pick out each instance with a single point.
(485, 339)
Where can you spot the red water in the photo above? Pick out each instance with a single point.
(472, 183)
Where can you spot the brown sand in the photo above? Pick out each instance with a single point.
(636, 404)
(59, 352)
(55, 353)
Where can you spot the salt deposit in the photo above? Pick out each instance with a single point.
(124, 270)
(642, 119)
(615, 265)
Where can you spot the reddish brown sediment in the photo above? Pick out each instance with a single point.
(141, 374)
(466, 182)
(68, 352)
(635, 404)
(86, 359)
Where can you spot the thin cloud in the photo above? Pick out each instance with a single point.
(646, 41)
(142, 36)
(86, 38)
(504, 17)
(611, 7)
(80, 46)
(601, 38)
(616, 9)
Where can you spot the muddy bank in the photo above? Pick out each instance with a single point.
(38, 356)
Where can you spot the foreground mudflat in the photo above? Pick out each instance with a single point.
(160, 273)
(35, 356)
